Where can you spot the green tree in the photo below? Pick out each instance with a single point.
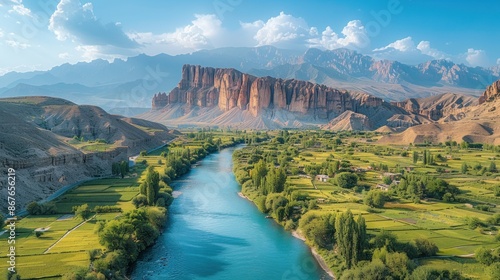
(140, 200)
(484, 256)
(385, 239)
(124, 168)
(494, 271)
(464, 168)
(496, 190)
(82, 211)
(346, 180)
(116, 234)
(493, 167)
(425, 247)
(345, 232)
(375, 198)
(415, 157)
(33, 208)
(372, 270)
(399, 264)
(258, 173)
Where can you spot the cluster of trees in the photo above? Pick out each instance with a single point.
(478, 168)
(427, 157)
(375, 198)
(35, 208)
(491, 259)
(124, 239)
(346, 180)
(120, 168)
(392, 259)
(379, 167)
(268, 180)
(149, 191)
(330, 167)
(342, 231)
(416, 187)
(491, 148)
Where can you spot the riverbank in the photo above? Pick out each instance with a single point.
(321, 261)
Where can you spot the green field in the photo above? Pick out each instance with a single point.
(444, 223)
(69, 253)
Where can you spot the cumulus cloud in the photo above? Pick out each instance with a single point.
(405, 50)
(476, 57)
(403, 45)
(281, 29)
(204, 32)
(288, 31)
(354, 37)
(498, 61)
(425, 48)
(77, 22)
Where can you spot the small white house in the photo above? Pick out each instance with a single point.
(322, 178)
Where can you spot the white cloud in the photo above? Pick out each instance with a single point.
(204, 32)
(403, 45)
(77, 22)
(288, 31)
(19, 8)
(64, 55)
(1, 33)
(425, 48)
(405, 50)
(196, 35)
(17, 45)
(280, 29)
(476, 57)
(498, 61)
(354, 37)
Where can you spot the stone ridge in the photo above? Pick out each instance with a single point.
(229, 88)
(491, 93)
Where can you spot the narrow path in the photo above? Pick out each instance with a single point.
(66, 234)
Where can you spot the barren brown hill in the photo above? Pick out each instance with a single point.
(478, 122)
(36, 139)
(348, 121)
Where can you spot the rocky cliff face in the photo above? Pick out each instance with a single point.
(229, 88)
(438, 107)
(491, 93)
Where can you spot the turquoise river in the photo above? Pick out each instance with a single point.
(213, 233)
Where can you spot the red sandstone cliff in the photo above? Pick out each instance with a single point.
(229, 88)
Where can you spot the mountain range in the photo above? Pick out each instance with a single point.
(125, 86)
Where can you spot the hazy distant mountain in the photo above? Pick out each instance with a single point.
(132, 82)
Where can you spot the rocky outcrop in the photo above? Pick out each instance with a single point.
(438, 107)
(349, 121)
(491, 93)
(229, 88)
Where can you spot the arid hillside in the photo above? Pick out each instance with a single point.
(52, 142)
(478, 122)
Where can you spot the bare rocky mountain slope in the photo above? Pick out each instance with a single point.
(479, 122)
(36, 140)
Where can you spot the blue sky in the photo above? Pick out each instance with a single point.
(40, 34)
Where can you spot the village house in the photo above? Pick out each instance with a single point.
(322, 178)
(382, 187)
(393, 176)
